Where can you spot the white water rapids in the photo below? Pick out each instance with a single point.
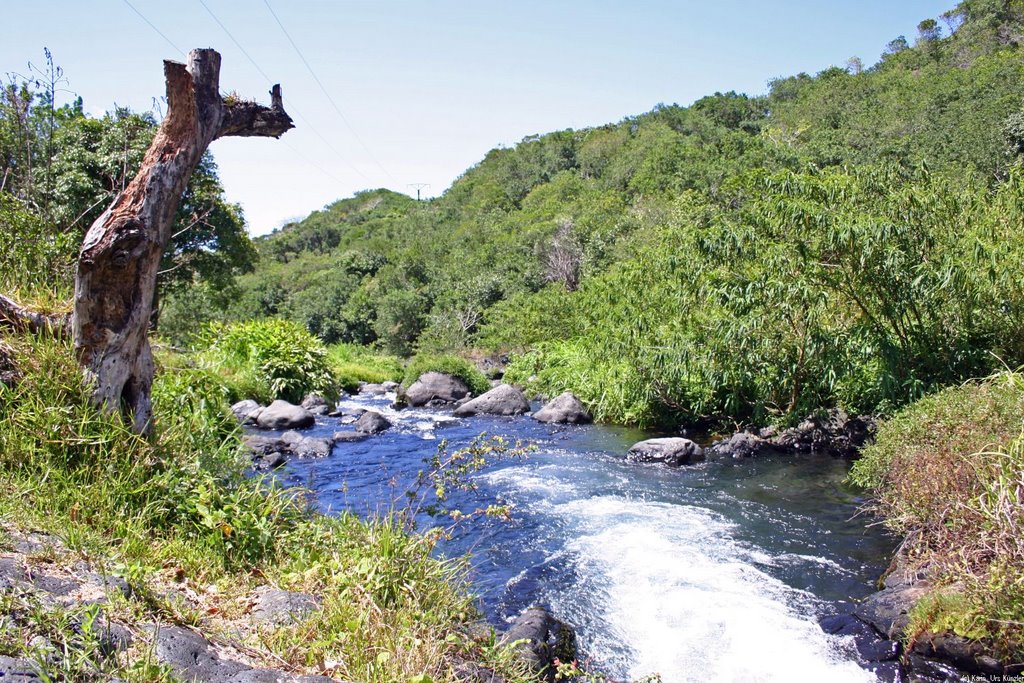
(713, 573)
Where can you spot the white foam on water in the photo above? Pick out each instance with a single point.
(423, 423)
(823, 561)
(666, 589)
(542, 488)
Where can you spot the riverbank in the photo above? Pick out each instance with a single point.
(139, 559)
(948, 475)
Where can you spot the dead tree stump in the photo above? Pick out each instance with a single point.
(120, 256)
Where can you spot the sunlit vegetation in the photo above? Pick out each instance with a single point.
(846, 239)
(178, 510)
(850, 238)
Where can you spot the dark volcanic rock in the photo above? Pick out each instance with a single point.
(673, 451)
(887, 609)
(743, 445)
(11, 573)
(191, 656)
(265, 462)
(306, 446)
(18, 671)
(967, 655)
(267, 452)
(372, 422)
(342, 437)
(435, 389)
(544, 639)
(503, 399)
(276, 606)
(9, 373)
(932, 653)
(284, 415)
(565, 408)
(835, 433)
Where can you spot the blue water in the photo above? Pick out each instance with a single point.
(715, 572)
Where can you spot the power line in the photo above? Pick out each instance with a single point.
(311, 162)
(286, 143)
(271, 81)
(233, 40)
(325, 92)
(159, 32)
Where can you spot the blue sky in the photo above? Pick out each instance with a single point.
(424, 89)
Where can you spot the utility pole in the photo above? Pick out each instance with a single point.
(419, 186)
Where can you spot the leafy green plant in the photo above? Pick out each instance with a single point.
(33, 259)
(179, 508)
(268, 359)
(450, 470)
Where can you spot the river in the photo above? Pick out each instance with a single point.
(713, 572)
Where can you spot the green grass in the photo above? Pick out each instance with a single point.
(177, 511)
(449, 365)
(352, 364)
(948, 471)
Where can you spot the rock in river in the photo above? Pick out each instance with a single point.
(540, 639)
(372, 422)
(501, 400)
(435, 389)
(285, 415)
(743, 445)
(565, 408)
(247, 411)
(673, 451)
(316, 404)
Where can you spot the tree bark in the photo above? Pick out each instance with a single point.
(120, 256)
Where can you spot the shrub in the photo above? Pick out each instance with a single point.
(612, 390)
(449, 365)
(185, 485)
(32, 257)
(268, 359)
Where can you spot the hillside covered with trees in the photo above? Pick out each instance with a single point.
(849, 238)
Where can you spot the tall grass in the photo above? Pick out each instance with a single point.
(352, 364)
(948, 471)
(612, 389)
(34, 260)
(178, 510)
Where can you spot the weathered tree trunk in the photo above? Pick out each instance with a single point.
(120, 255)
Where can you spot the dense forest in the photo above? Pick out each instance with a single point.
(849, 238)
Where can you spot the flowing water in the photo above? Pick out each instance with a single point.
(714, 572)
